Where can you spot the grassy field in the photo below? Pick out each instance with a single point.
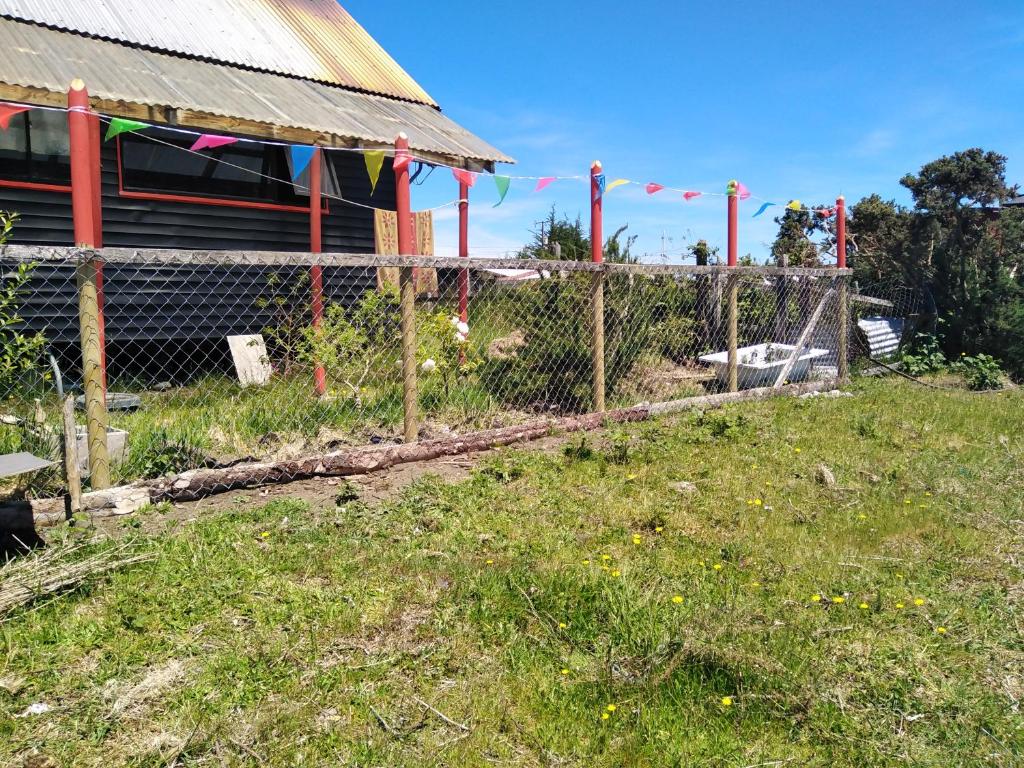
(582, 607)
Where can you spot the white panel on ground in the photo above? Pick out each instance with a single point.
(251, 362)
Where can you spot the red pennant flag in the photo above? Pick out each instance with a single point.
(402, 160)
(541, 183)
(825, 212)
(7, 111)
(464, 177)
(209, 141)
(690, 195)
(652, 188)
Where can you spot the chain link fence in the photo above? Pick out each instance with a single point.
(214, 358)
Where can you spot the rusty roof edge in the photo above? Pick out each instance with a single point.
(218, 62)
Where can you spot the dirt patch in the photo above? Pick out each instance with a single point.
(663, 380)
(129, 700)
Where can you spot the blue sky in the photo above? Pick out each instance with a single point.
(796, 100)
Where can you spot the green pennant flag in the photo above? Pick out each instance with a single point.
(374, 160)
(121, 125)
(502, 183)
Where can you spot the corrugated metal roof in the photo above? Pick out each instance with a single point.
(311, 39)
(36, 57)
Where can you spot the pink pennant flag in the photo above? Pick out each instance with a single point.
(541, 183)
(690, 195)
(464, 177)
(741, 188)
(7, 111)
(652, 188)
(210, 141)
(825, 212)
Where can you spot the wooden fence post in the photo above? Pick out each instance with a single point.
(407, 287)
(92, 372)
(733, 286)
(597, 284)
(72, 472)
(844, 307)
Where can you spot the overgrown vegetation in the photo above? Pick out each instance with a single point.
(684, 592)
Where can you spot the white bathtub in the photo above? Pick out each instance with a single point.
(759, 365)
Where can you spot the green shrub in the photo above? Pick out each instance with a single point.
(980, 372)
(20, 352)
(923, 356)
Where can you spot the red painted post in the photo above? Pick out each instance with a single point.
(407, 289)
(841, 232)
(463, 250)
(597, 284)
(86, 210)
(316, 273)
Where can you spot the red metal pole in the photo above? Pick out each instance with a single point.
(316, 272)
(403, 200)
(83, 138)
(734, 210)
(841, 232)
(407, 290)
(463, 250)
(596, 215)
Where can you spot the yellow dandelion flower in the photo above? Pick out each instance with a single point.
(636, 539)
(586, 561)
(605, 715)
(631, 476)
(490, 562)
(611, 707)
(769, 484)
(565, 671)
(907, 501)
(898, 575)
(796, 450)
(717, 566)
(616, 573)
(750, 502)
(863, 606)
(927, 493)
(265, 535)
(899, 606)
(606, 558)
(677, 599)
(562, 625)
(838, 599)
(757, 502)
(919, 601)
(701, 563)
(659, 529)
(727, 701)
(815, 598)
(862, 517)
(941, 630)
(755, 583)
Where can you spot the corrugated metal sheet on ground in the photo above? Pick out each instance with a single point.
(36, 57)
(311, 39)
(883, 334)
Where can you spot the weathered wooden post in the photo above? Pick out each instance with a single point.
(844, 308)
(597, 282)
(316, 272)
(72, 472)
(85, 212)
(733, 285)
(407, 288)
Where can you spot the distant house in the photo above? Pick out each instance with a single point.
(290, 71)
(1014, 202)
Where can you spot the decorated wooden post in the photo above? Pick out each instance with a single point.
(844, 309)
(733, 285)
(85, 212)
(597, 283)
(407, 288)
(316, 272)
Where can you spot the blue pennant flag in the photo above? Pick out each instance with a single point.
(600, 185)
(301, 155)
(764, 207)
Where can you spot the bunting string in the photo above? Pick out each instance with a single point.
(301, 155)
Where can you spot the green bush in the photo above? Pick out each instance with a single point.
(980, 372)
(20, 352)
(923, 356)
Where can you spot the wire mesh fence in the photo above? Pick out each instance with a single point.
(214, 358)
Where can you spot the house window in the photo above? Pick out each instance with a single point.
(34, 148)
(244, 171)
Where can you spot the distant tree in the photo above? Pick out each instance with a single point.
(703, 254)
(880, 232)
(559, 236)
(795, 244)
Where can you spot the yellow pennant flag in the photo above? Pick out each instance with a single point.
(794, 205)
(616, 183)
(374, 161)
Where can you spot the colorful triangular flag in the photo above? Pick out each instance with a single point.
(599, 180)
(742, 190)
(119, 125)
(652, 188)
(374, 160)
(464, 177)
(793, 205)
(502, 183)
(210, 141)
(301, 155)
(764, 207)
(543, 182)
(616, 183)
(7, 111)
(688, 196)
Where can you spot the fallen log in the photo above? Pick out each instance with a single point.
(200, 483)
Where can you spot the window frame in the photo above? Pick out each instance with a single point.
(9, 182)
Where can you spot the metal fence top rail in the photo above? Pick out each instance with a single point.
(170, 257)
